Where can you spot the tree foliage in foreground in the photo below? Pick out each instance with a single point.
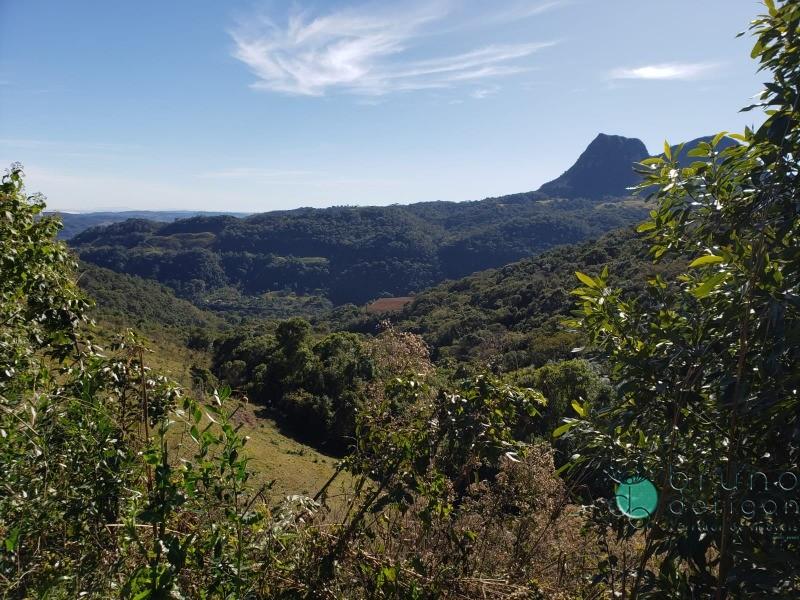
(706, 364)
(94, 500)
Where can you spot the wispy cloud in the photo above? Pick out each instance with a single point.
(524, 10)
(482, 93)
(666, 71)
(369, 52)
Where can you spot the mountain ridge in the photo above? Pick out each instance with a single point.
(604, 169)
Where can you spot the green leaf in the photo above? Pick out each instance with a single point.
(646, 226)
(581, 410)
(586, 280)
(12, 540)
(709, 285)
(561, 430)
(564, 467)
(654, 160)
(698, 151)
(708, 259)
(390, 574)
(758, 48)
(658, 251)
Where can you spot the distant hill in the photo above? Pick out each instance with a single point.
(347, 254)
(352, 254)
(603, 170)
(74, 223)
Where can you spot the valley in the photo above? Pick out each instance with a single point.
(585, 391)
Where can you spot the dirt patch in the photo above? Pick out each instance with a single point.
(245, 416)
(386, 305)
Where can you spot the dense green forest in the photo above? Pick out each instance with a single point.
(147, 303)
(347, 254)
(511, 316)
(482, 442)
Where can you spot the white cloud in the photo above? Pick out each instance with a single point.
(665, 71)
(482, 93)
(369, 52)
(526, 10)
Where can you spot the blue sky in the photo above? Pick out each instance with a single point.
(262, 105)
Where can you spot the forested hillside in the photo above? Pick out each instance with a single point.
(347, 254)
(74, 223)
(140, 302)
(512, 316)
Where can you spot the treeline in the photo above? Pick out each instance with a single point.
(314, 384)
(347, 254)
(75, 223)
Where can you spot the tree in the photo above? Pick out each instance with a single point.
(293, 334)
(40, 305)
(706, 363)
(562, 384)
(93, 499)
